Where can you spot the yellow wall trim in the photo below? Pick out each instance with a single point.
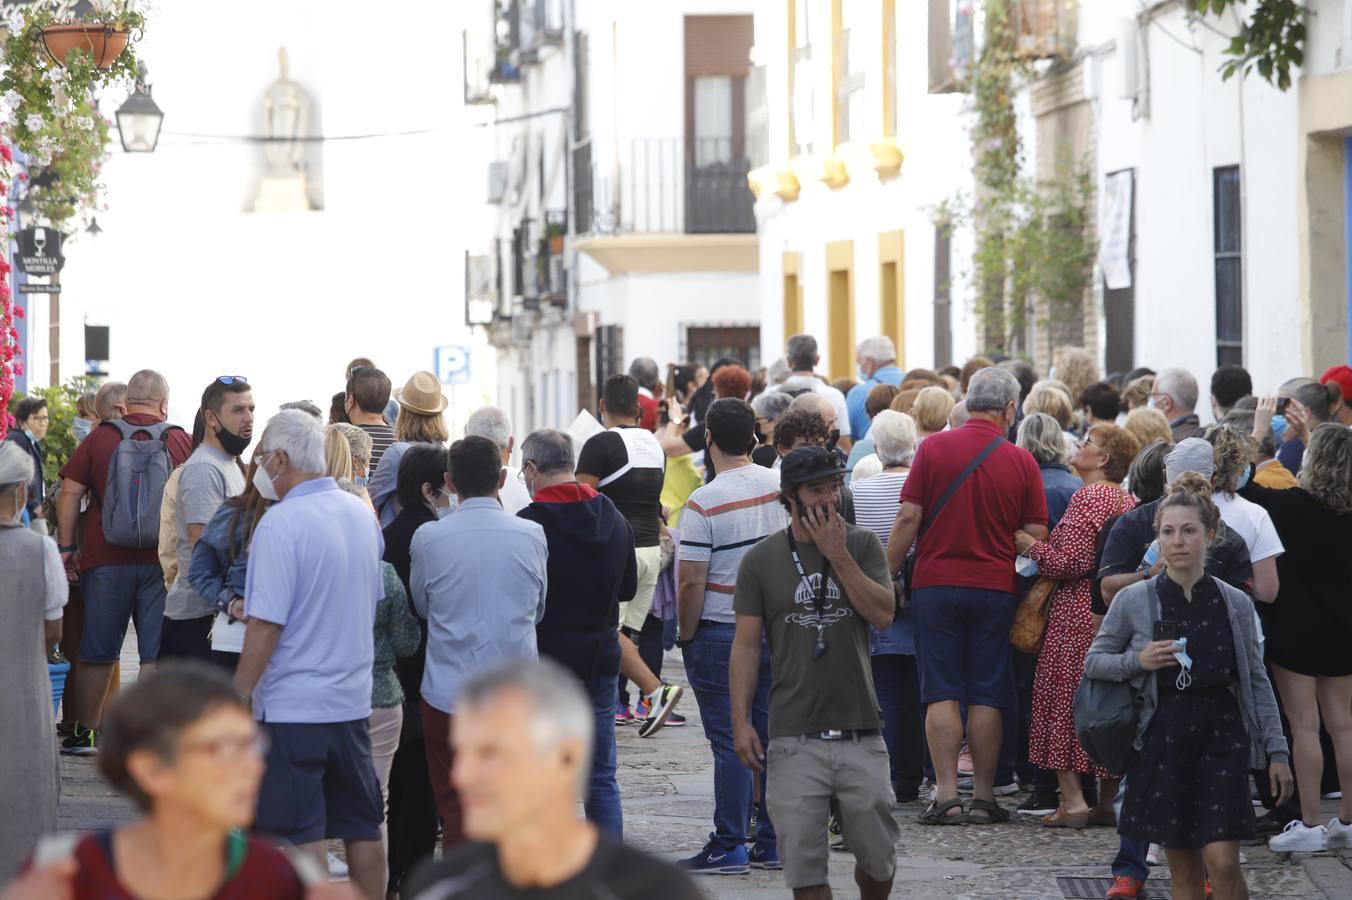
(892, 289)
(793, 294)
(840, 308)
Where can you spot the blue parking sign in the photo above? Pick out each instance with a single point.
(452, 364)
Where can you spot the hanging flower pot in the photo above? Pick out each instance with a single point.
(104, 42)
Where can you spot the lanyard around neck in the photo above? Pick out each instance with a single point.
(818, 594)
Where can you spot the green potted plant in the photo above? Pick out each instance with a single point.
(48, 103)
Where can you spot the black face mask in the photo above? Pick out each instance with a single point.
(833, 439)
(760, 436)
(232, 443)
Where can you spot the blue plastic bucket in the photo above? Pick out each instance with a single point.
(58, 673)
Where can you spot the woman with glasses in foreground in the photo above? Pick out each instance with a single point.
(184, 747)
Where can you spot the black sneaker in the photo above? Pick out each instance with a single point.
(1038, 805)
(84, 742)
(907, 793)
(1269, 824)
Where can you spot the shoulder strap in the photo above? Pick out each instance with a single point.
(1154, 593)
(933, 513)
(156, 431)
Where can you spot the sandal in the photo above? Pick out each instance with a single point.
(937, 813)
(991, 812)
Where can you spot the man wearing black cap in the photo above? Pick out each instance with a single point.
(813, 589)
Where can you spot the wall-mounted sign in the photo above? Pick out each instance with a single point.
(452, 364)
(29, 287)
(40, 251)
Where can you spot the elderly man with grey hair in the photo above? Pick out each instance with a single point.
(310, 602)
(522, 737)
(492, 422)
(877, 360)
(1175, 394)
(969, 490)
(803, 358)
(644, 370)
(120, 582)
(591, 571)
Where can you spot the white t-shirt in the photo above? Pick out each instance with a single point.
(1252, 523)
(817, 386)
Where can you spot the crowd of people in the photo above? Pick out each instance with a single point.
(909, 586)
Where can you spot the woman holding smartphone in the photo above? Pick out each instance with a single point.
(1188, 643)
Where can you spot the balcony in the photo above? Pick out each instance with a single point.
(663, 186)
(665, 204)
(1043, 29)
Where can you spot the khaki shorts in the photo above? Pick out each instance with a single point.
(633, 613)
(803, 775)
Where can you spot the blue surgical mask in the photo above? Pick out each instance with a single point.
(1278, 426)
(81, 427)
(1244, 478)
(360, 480)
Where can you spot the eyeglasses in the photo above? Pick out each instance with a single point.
(228, 750)
(228, 380)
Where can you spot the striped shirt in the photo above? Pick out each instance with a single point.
(722, 521)
(876, 502)
(381, 438)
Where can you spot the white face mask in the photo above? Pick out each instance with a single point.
(263, 482)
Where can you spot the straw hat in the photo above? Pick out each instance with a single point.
(421, 394)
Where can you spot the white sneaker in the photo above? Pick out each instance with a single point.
(1007, 790)
(1339, 834)
(337, 868)
(1332, 795)
(1152, 856)
(1299, 837)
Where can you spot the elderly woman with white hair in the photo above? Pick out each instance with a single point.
(32, 594)
(877, 500)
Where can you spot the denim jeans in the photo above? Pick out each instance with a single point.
(706, 665)
(1131, 853)
(603, 792)
(898, 686)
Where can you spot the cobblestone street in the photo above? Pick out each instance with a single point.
(667, 785)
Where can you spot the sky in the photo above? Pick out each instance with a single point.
(194, 283)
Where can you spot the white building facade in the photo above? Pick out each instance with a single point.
(1234, 231)
(624, 222)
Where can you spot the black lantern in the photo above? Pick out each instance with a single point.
(139, 119)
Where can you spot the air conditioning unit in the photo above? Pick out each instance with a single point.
(497, 181)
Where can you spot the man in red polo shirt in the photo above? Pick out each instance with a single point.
(963, 585)
(118, 583)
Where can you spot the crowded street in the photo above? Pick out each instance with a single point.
(598, 450)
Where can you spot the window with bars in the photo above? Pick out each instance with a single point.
(803, 96)
(1229, 261)
(943, 305)
(609, 342)
(852, 42)
(706, 345)
(757, 119)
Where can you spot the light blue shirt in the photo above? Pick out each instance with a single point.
(858, 397)
(314, 569)
(478, 578)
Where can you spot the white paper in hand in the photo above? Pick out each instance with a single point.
(227, 636)
(583, 428)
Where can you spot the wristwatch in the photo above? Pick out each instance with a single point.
(683, 644)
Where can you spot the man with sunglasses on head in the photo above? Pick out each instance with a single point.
(813, 589)
(212, 475)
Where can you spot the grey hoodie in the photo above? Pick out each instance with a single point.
(1130, 625)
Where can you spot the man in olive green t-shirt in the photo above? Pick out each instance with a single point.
(814, 589)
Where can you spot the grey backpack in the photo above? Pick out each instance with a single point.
(136, 477)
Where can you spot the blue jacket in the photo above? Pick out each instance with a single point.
(213, 573)
(858, 396)
(1059, 484)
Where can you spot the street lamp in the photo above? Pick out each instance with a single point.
(139, 119)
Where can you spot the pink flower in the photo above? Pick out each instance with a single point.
(18, 367)
(20, 312)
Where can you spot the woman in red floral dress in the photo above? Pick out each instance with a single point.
(1068, 556)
